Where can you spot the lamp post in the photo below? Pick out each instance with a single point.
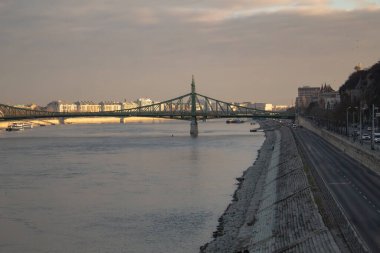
(347, 132)
(353, 122)
(373, 127)
(360, 123)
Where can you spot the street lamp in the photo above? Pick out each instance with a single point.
(360, 123)
(361, 120)
(347, 132)
(353, 122)
(373, 127)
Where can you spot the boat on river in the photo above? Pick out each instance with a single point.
(27, 125)
(234, 121)
(15, 127)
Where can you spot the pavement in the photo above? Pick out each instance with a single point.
(354, 186)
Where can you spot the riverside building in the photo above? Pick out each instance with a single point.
(128, 105)
(61, 106)
(87, 106)
(307, 95)
(110, 106)
(328, 97)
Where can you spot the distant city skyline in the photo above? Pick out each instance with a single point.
(258, 51)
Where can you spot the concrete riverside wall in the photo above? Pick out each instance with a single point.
(273, 210)
(363, 156)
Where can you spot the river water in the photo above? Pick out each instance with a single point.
(141, 187)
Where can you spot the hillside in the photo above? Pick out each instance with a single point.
(362, 85)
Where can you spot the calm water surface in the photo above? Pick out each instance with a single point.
(119, 188)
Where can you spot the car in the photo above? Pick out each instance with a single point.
(376, 140)
(366, 137)
(355, 133)
(369, 128)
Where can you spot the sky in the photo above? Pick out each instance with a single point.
(238, 50)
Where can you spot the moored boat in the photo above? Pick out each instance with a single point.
(15, 127)
(236, 121)
(27, 125)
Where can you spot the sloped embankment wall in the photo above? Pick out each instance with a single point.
(273, 209)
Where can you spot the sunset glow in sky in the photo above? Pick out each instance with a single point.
(258, 50)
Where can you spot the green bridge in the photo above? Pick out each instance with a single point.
(192, 106)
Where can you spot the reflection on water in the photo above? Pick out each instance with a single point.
(118, 188)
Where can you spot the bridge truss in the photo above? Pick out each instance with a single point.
(191, 106)
(176, 108)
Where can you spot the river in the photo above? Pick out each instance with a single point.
(138, 187)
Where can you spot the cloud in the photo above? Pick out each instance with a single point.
(241, 50)
(220, 11)
(146, 16)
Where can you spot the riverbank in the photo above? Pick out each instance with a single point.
(87, 120)
(273, 209)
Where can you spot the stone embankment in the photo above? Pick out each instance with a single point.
(273, 209)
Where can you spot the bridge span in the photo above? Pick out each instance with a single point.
(192, 106)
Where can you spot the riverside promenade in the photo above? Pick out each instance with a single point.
(273, 209)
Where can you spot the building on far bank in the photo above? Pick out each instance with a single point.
(61, 106)
(87, 106)
(261, 106)
(144, 102)
(280, 108)
(110, 106)
(128, 105)
(245, 104)
(29, 106)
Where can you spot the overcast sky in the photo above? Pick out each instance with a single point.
(238, 50)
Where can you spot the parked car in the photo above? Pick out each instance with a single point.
(355, 133)
(376, 138)
(366, 137)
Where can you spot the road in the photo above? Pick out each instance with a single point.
(354, 186)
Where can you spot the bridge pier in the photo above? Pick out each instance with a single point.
(61, 121)
(194, 123)
(194, 128)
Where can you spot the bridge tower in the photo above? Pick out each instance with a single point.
(194, 123)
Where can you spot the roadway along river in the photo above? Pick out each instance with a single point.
(119, 188)
(355, 187)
